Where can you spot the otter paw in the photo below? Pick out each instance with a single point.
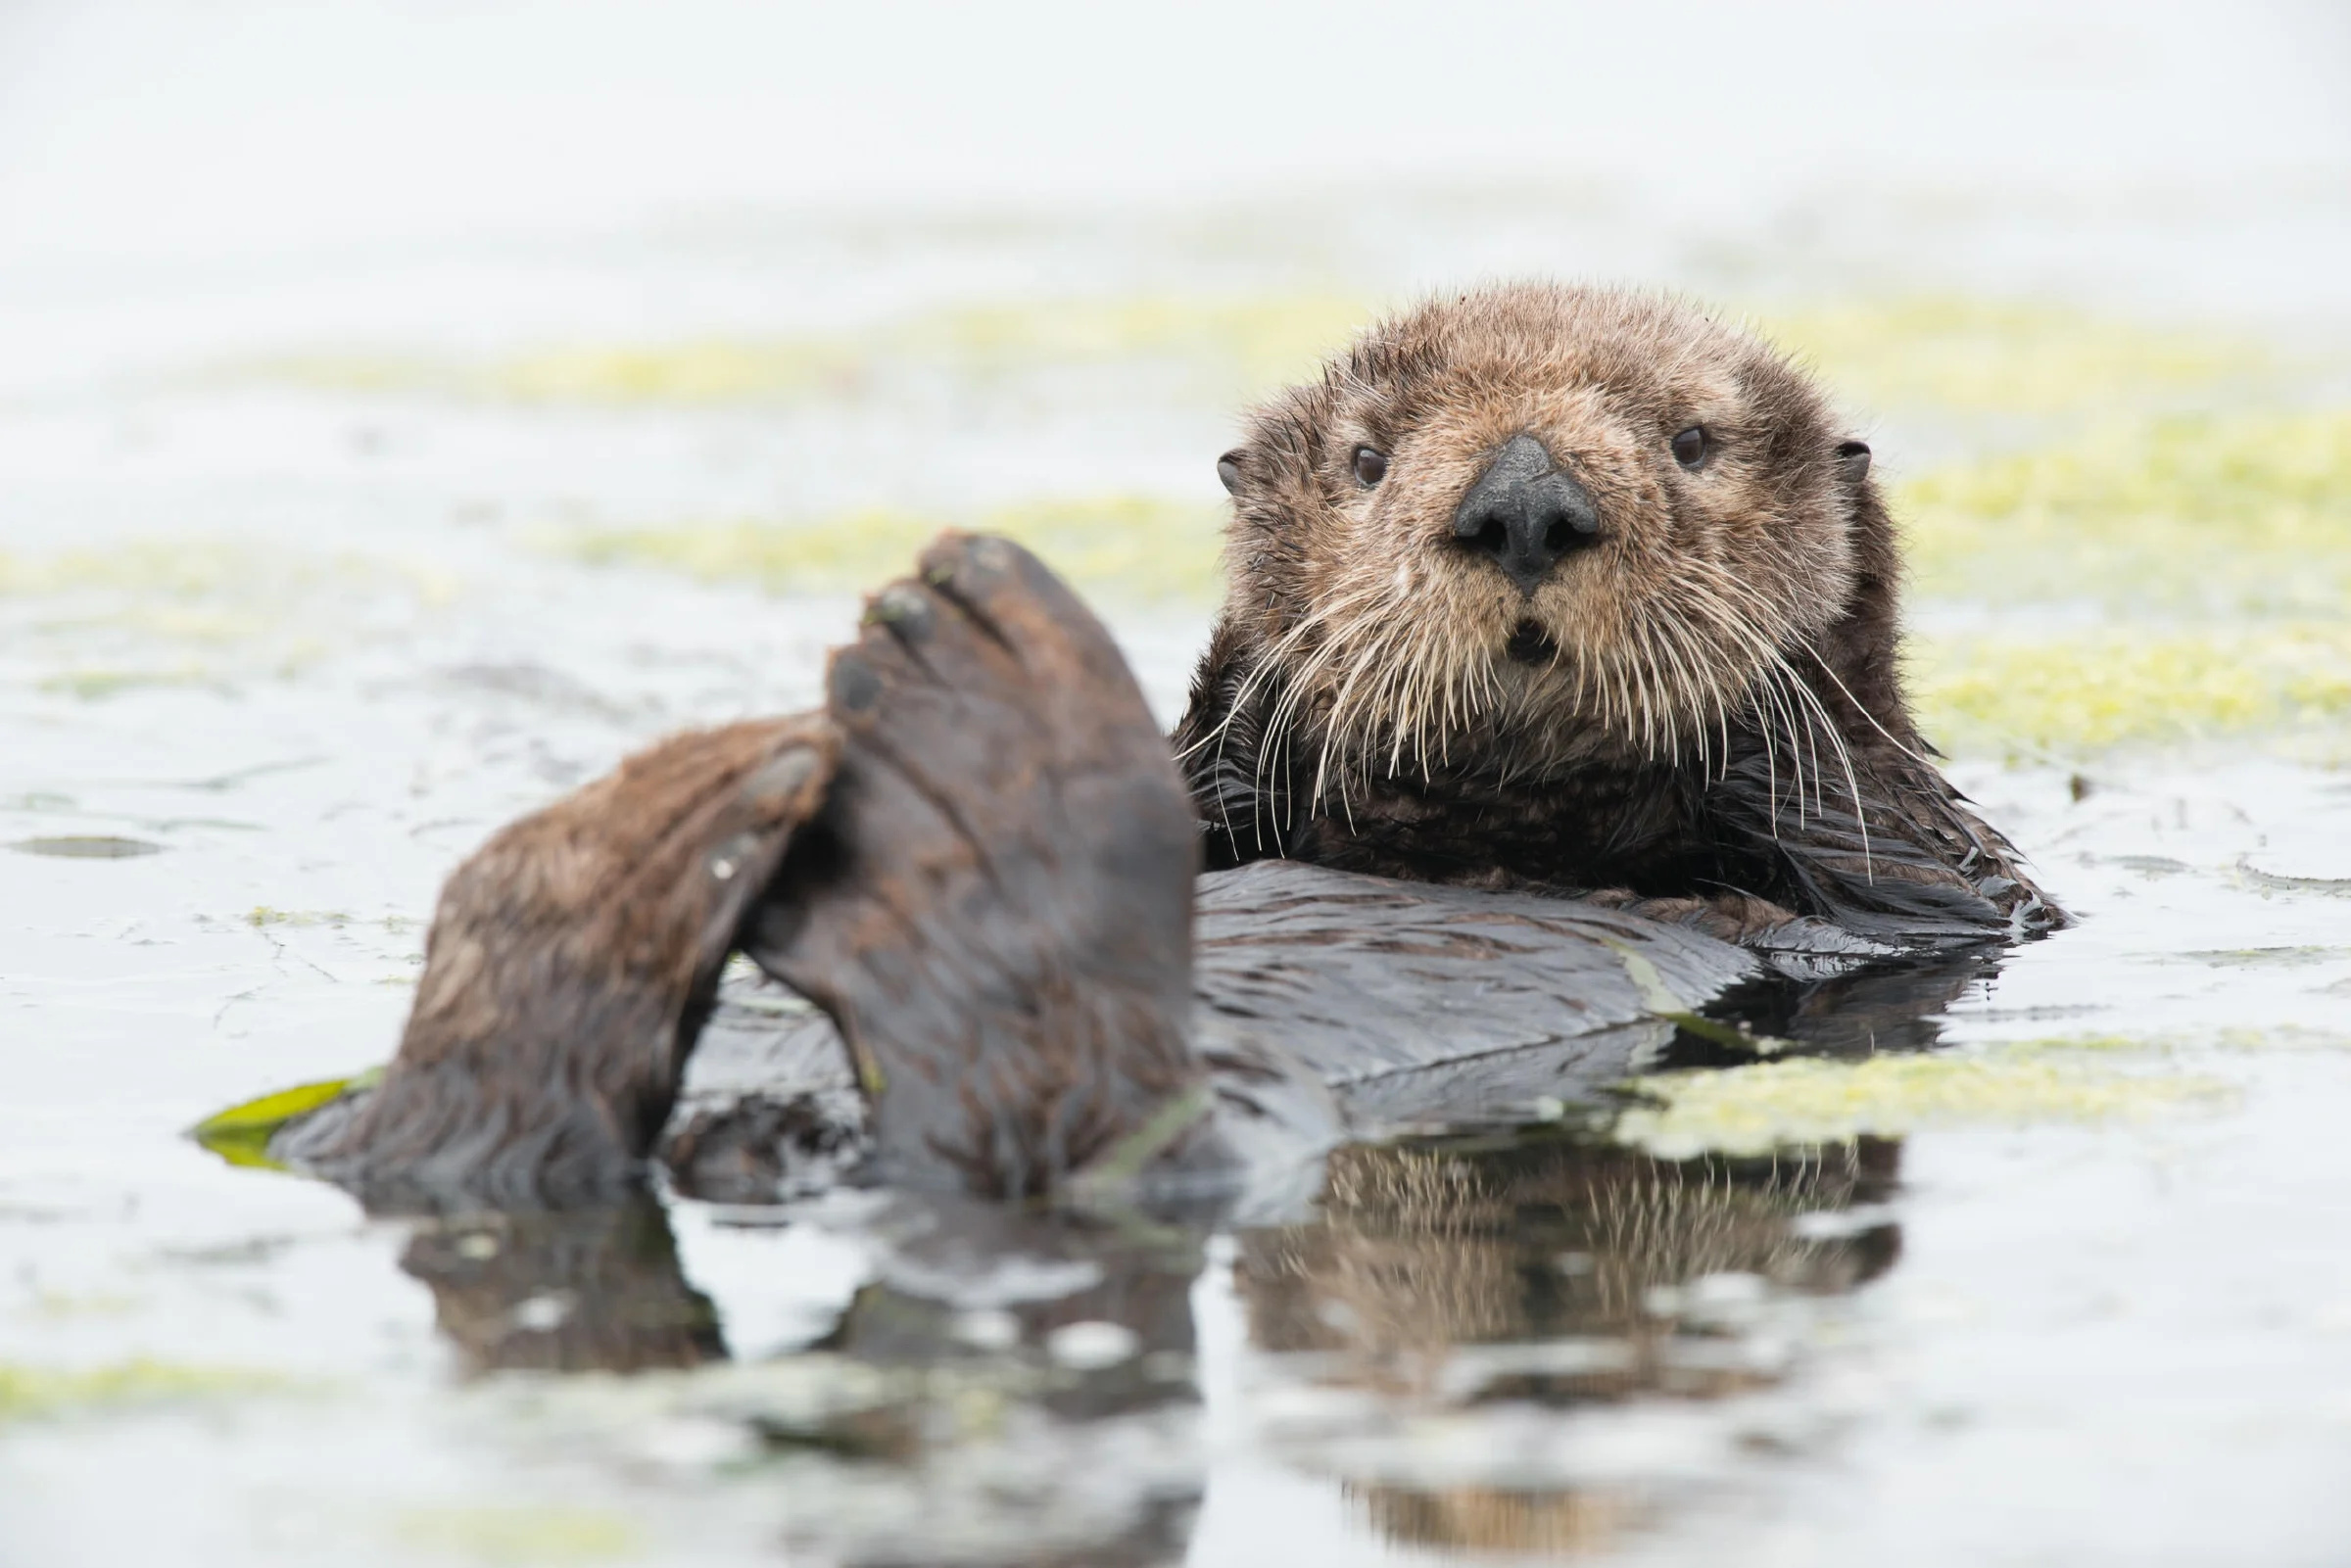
(638, 881)
(570, 963)
(995, 904)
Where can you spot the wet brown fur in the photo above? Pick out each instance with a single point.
(1713, 728)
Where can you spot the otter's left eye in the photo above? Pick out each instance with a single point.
(1690, 446)
(1370, 467)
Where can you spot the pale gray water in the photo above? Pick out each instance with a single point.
(310, 641)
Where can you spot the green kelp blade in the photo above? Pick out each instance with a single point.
(241, 1134)
(1658, 998)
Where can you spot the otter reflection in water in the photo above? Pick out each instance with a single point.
(1007, 1387)
(1556, 1273)
(1554, 698)
(592, 1288)
(1439, 1277)
(1418, 1252)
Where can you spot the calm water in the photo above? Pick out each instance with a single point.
(323, 555)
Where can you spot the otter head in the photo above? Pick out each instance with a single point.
(1535, 526)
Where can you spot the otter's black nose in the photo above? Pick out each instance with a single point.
(1525, 513)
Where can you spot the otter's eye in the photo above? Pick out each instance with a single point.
(1690, 446)
(1370, 467)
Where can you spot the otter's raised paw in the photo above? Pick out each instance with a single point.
(571, 962)
(995, 905)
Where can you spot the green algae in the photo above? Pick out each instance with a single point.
(2248, 513)
(40, 1393)
(204, 573)
(519, 1533)
(60, 1307)
(2205, 518)
(1259, 342)
(240, 1135)
(1941, 352)
(1235, 346)
(1660, 999)
(2025, 694)
(708, 370)
(692, 372)
(2217, 550)
(97, 684)
(2284, 1037)
(182, 613)
(1134, 546)
(1754, 1109)
(1962, 354)
(262, 915)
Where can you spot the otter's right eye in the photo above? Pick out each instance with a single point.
(1370, 467)
(1690, 446)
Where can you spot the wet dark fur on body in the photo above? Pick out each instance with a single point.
(1687, 702)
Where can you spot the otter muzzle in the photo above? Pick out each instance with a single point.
(1525, 514)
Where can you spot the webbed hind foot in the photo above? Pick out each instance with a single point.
(995, 904)
(570, 963)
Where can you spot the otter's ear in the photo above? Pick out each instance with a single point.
(1228, 470)
(1853, 461)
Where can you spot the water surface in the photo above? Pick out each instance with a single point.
(314, 572)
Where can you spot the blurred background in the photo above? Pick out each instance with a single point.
(406, 409)
(763, 294)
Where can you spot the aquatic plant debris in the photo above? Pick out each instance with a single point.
(1235, 346)
(241, 1134)
(147, 614)
(2068, 694)
(1767, 1106)
(263, 915)
(2232, 523)
(519, 1533)
(2173, 579)
(1951, 352)
(1660, 999)
(1962, 354)
(42, 1392)
(1134, 547)
(2198, 513)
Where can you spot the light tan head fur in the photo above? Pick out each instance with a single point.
(1704, 591)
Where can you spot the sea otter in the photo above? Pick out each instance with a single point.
(1579, 588)
(1571, 595)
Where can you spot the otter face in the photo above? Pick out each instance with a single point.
(1538, 525)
